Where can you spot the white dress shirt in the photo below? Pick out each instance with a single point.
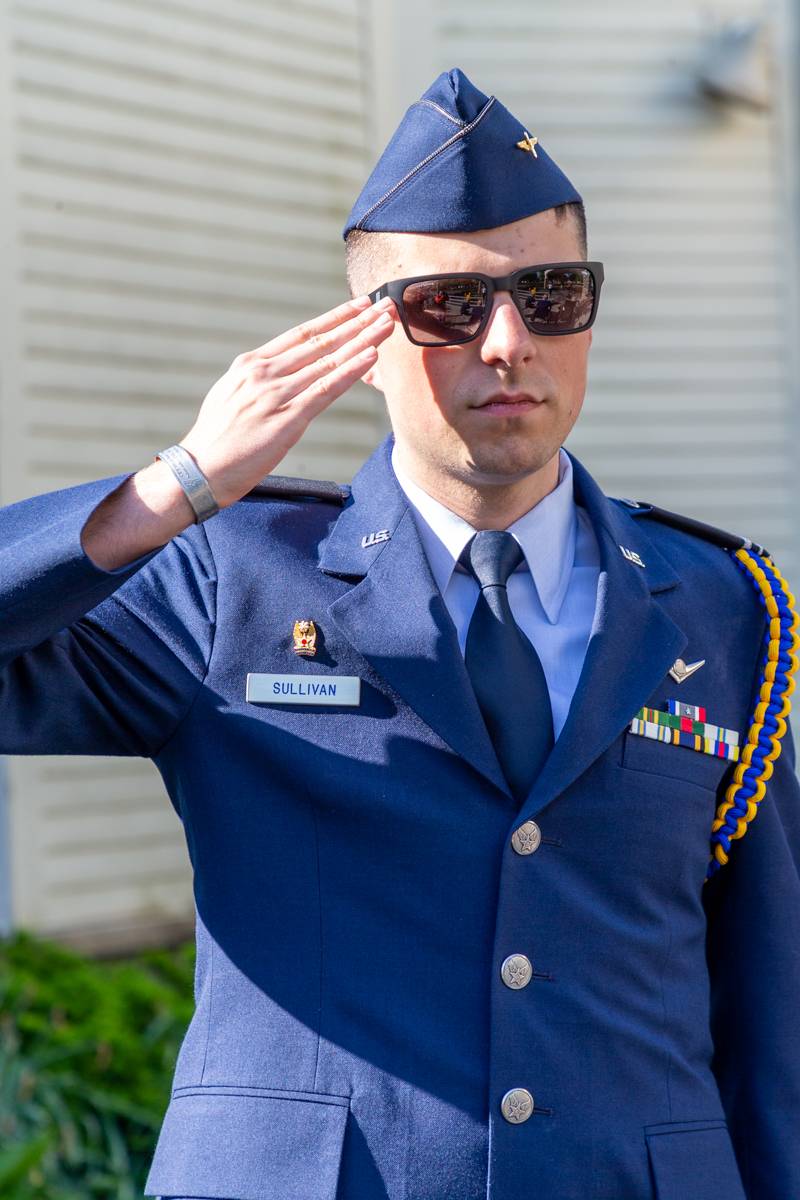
(552, 593)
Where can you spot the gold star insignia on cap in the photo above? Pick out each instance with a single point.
(528, 143)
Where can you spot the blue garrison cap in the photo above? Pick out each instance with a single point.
(458, 161)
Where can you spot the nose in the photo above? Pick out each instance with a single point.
(506, 338)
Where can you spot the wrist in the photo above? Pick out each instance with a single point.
(191, 479)
(144, 513)
(159, 490)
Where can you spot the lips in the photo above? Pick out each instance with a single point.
(503, 399)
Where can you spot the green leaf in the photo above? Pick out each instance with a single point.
(87, 1051)
(17, 1161)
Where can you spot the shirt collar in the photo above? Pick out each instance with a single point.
(545, 532)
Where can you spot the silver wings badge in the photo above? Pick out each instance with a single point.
(681, 671)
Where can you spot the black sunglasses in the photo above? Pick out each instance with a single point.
(452, 308)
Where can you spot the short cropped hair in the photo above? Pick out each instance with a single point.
(366, 251)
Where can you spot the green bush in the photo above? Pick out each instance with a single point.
(87, 1051)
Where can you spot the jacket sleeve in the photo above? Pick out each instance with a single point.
(95, 661)
(753, 906)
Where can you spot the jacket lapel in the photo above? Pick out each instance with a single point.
(632, 645)
(395, 617)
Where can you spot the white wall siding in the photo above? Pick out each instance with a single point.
(179, 174)
(183, 176)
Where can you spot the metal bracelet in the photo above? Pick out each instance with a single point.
(192, 480)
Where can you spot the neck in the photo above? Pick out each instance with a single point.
(482, 505)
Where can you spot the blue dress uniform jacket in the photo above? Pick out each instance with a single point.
(356, 884)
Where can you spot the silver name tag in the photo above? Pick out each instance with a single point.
(303, 689)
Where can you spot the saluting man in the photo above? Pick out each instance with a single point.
(485, 777)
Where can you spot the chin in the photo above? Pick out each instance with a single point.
(509, 462)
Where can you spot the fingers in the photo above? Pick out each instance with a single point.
(325, 389)
(337, 359)
(309, 329)
(318, 345)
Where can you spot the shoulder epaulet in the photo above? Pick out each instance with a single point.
(289, 487)
(755, 759)
(720, 537)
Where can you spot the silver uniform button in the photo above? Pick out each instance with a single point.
(526, 838)
(516, 971)
(517, 1105)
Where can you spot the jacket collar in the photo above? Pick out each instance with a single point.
(547, 534)
(395, 617)
(376, 505)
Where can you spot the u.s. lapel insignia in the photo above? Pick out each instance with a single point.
(632, 556)
(528, 143)
(686, 725)
(372, 539)
(681, 670)
(305, 638)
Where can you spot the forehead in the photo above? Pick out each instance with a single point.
(497, 251)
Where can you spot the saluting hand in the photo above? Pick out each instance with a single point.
(264, 402)
(248, 421)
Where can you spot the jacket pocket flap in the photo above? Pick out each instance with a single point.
(693, 1158)
(251, 1144)
(675, 762)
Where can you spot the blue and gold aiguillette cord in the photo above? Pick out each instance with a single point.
(762, 747)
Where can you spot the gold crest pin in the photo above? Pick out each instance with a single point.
(528, 143)
(305, 638)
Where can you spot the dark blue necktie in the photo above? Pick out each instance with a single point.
(505, 669)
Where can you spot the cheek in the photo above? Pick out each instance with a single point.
(569, 361)
(400, 361)
(441, 369)
(416, 379)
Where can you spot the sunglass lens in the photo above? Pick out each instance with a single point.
(444, 310)
(559, 299)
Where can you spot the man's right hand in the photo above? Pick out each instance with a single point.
(247, 423)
